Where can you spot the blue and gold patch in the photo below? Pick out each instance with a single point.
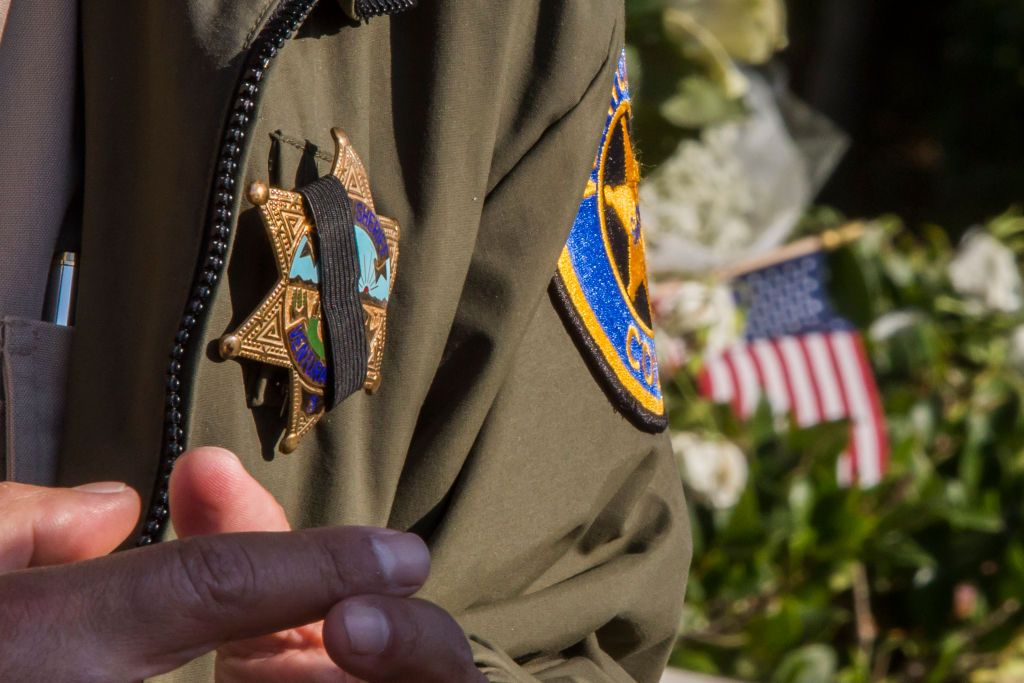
(601, 283)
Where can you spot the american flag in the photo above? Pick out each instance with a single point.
(805, 359)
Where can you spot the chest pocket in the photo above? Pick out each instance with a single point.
(33, 373)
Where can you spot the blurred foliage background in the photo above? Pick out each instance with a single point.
(794, 578)
(933, 94)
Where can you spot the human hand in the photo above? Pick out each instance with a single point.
(378, 638)
(147, 611)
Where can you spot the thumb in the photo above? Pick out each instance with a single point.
(44, 526)
(211, 493)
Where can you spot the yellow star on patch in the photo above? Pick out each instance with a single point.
(286, 329)
(624, 200)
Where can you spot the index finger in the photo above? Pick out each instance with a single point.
(150, 610)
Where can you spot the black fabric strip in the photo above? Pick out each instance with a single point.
(347, 353)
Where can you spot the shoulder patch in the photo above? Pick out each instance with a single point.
(601, 286)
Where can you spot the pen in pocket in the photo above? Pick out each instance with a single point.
(61, 289)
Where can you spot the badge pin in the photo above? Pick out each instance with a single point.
(287, 328)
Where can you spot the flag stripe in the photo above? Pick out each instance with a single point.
(755, 362)
(750, 389)
(772, 376)
(875, 432)
(868, 471)
(821, 362)
(704, 382)
(734, 381)
(833, 408)
(806, 411)
(787, 381)
(876, 404)
(852, 455)
(819, 400)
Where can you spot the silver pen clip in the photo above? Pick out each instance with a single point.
(62, 289)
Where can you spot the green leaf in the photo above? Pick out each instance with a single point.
(901, 550)
(851, 288)
(634, 8)
(694, 660)
(743, 524)
(974, 520)
(699, 102)
(809, 664)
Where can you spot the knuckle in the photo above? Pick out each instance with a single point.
(214, 573)
(334, 561)
(31, 643)
(11, 492)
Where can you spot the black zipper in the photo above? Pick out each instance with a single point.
(282, 25)
(367, 9)
(286, 20)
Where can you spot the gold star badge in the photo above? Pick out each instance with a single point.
(287, 329)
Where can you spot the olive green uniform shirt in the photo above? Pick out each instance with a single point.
(557, 528)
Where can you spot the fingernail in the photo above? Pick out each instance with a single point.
(367, 629)
(403, 558)
(103, 487)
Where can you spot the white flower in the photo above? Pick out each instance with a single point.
(702, 194)
(892, 324)
(716, 470)
(689, 306)
(737, 190)
(985, 269)
(692, 317)
(1017, 348)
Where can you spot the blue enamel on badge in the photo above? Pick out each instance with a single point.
(287, 329)
(601, 283)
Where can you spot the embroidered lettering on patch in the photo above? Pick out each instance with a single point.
(601, 283)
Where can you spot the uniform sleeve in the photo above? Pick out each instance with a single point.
(560, 538)
(564, 551)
